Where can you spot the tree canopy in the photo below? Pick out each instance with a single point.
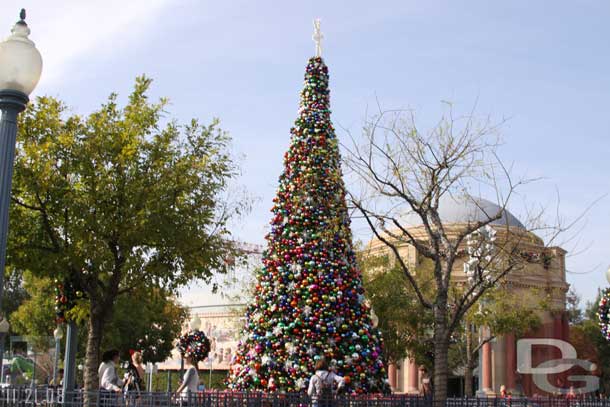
(121, 199)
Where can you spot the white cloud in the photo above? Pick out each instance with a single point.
(69, 29)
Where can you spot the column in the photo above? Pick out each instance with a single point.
(70, 363)
(412, 377)
(392, 375)
(561, 378)
(511, 362)
(486, 368)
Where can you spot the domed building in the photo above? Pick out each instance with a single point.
(542, 270)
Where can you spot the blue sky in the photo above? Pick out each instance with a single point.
(543, 65)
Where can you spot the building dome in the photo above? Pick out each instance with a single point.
(466, 209)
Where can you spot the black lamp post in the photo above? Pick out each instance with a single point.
(20, 69)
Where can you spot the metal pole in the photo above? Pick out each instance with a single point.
(11, 104)
(169, 381)
(32, 383)
(2, 339)
(55, 365)
(70, 362)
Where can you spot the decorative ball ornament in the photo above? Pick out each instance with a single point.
(603, 313)
(194, 344)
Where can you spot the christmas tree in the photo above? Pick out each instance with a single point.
(309, 301)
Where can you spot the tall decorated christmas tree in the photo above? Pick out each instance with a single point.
(309, 301)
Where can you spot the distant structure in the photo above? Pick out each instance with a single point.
(249, 248)
(221, 320)
(544, 270)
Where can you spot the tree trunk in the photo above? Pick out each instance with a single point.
(470, 364)
(97, 320)
(441, 354)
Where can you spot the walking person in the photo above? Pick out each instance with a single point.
(426, 388)
(190, 381)
(322, 383)
(134, 383)
(109, 383)
(505, 396)
(572, 398)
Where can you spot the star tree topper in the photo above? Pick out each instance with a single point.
(317, 37)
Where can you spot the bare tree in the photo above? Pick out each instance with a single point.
(404, 172)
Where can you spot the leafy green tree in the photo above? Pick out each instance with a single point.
(147, 319)
(121, 199)
(35, 316)
(586, 337)
(13, 296)
(403, 322)
(14, 291)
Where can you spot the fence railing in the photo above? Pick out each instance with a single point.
(48, 396)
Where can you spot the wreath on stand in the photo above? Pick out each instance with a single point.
(66, 295)
(194, 344)
(603, 313)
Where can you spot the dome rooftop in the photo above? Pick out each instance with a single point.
(465, 209)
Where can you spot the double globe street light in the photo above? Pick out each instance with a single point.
(20, 69)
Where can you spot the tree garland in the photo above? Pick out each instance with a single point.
(194, 344)
(603, 313)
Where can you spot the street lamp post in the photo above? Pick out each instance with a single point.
(194, 325)
(32, 353)
(20, 69)
(58, 333)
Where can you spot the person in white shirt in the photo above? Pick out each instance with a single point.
(109, 380)
(321, 384)
(190, 381)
